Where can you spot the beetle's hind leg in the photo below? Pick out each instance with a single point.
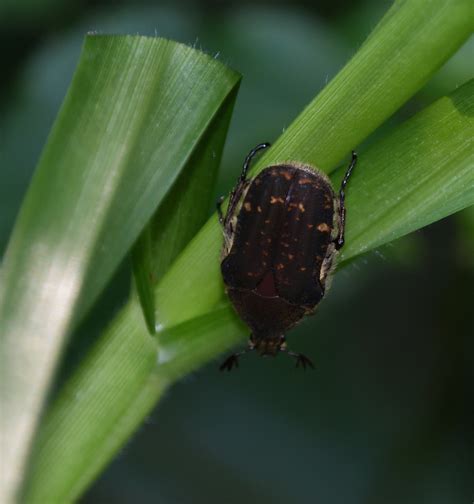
(233, 360)
(230, 362)
(301, 360)
(342, 195)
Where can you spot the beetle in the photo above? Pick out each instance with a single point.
(282, 231)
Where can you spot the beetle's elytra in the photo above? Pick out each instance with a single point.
(282, 231)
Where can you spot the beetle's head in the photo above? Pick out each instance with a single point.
(269, 345)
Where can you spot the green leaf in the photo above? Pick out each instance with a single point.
(136, 111)
(418, 174)
(71, 450)
(142, 263)
(97, 411)
(182, 213)
(124, 361)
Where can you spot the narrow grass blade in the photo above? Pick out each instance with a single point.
(417, 175)
(136, 110)
(182, 213)
(98, 411)
(405, 49)
(142, 263)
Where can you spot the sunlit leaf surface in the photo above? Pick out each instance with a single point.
(135, 112)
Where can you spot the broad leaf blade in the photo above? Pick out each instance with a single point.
(405, 49)
(181, 214)
(135, 111)
(420, 173)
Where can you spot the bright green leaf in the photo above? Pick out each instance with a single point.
(417, 175)
(412, 41)
(135, 112)
(380, 206)
(182, 213)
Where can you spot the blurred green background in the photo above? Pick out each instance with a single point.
(388, 414)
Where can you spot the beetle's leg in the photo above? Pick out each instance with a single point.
(342, 195)
(241, 183)
(219, 209)
(249, 158)
(301, 359)
(233, 360)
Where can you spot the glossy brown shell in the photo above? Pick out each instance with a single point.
(280, 247)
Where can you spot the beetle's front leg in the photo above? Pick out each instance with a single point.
(242, 182)
(342, 196)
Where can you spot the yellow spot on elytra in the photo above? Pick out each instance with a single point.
(310, 226)
(267, 221)
(259, 209)
(323, 227)
(290, 257)
(301, 207)
(304, 181)
(247, 206)
(303, 269)
(286, 175)
(280, 266)
(274, 200)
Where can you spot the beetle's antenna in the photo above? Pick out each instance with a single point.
(249, 158)
(342, 196)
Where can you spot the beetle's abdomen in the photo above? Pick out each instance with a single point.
(266, 317)
(282, 235)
